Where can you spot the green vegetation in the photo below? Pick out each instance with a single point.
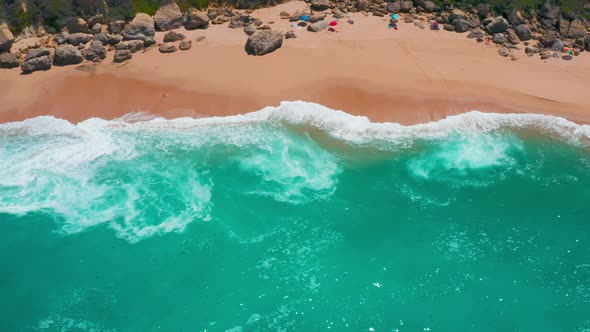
(186, 4)
(145, 6)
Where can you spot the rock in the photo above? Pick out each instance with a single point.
(477, 33)
(514, 16)
(483, 10)
(320, 5)
(61, 38)
(173, 36)
(449, 27)
(427, 5)
(96, 52)
(394, 7)
(523, 32)
(108, 39)
(587, 42)
(406, 6)
(504, 52)
(141, 27)
(149, 41)
(474, 22)
(96, 29)
(548, 39)
(419, 24)
(167, 48)
(98, 18)
(6, 37)
(338, 14)
(461, 25)
(116, 26)
(567, 57)
(67, 55)
(185, 45)
(122, 46)
(576, 29)
(457, 14)
(316, 18)
(318, 26)
(545, 55)
(393, 21)
(250, 29)
(8, 60)
(295, 17)
(168, 16)
(194, 19)
(284, 15)
(264, 42)
(499, 38)
(549, 11)
(76, 24)
(497, 25)
(36, 53)
(290, 34)
(36, 64)
(122, 55)
(512, 37)
(135, 46)
(79, 38)
(243, 20)
(408, 19)
(557, 46)
(531, 50)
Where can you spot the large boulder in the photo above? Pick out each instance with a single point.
(264, 42)
(483, 10)
(91, 7)
(135, 46)
(457, 14)
(318, 26)
(407, 6)
(6, 37)
(548, 39)
(168, 16)
(320, 4)
(194, 19)
(557, 46)
(461, 25)
(514, 16)
(108, 39)
(476, 33)
(587, 41)
(141, 27)
(394, 7)
(576, 29)
(512, 37)
(67, 55)
(76, 24)
(426, 5)
(38, 52)
(36, 64)
(96, 52)
(173, 36)
(116, 26)
(8, 60)
(524, 32)
(79, 38)
(98, 18)
(499, 38)
(497, 25)
(549, 11)
(122, 55)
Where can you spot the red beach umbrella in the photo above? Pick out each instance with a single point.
(333, 23)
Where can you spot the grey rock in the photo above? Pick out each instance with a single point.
(477, 33)
(149, 41)
(320, 5)
(38, 52)
(457, 14)
(96, 29)
(168, 16)
(497, 25)
(499, 38)
(243, 20)
(394, 7)
(250, 29)
(406, 6)
(512, 37)
(67, 55)
(185, 45)
(449, 27)
(122, 46)
(427, 5)
(316, 18)
(523, 32)
(557, 46)
(62, 38)
(504, 52)
(587, 42)
(338, 14)
(116, 26)
(96, 52)
(545, 55)
(141, 27)
(290, 34)
(79, 38)
(97, 19)
(548, 38)
(173, 36)
(549, 11)
(168, 48)
(514, 16)
(135, 46)
(483, 10)
(531, 50)
(36, 64)
(122, 55)
(576, 29)
(194, 19)
(318, 26)
(461, 25)
(76, 24)
(264, 42)
(6, 37)
(8, 61)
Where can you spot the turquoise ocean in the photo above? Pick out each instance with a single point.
(295, 218)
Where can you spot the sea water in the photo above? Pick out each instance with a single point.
(295, 218)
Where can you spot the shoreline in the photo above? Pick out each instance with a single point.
(408, 76)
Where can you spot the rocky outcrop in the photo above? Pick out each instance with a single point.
(523, 32)
(168, 16)
(497, 25)
(67, 55)
(8, 61)
(141, 27)
(6, 38)
(122, 55)
(264, 42)
(167, 48)
(42, 62)
(173, 36)
(185, 45)
(96, 52)
(194, 19)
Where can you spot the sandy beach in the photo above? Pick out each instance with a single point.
(407, 76)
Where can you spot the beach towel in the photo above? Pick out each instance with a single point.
(304, 17)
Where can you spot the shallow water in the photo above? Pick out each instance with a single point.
(296, 218)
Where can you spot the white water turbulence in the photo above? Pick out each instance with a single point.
(147, 177)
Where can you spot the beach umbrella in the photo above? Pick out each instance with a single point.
(333, 23)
